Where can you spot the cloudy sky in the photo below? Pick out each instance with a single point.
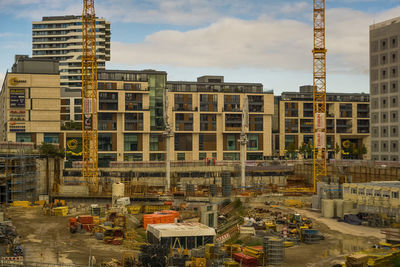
(267, 41)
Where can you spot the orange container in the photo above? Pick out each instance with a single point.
(157, 218)
(168, 203)
(173, 212)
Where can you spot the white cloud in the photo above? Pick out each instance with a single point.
(263, 43)
(228, 43)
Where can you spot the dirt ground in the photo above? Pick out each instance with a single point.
(47, 239)
(340, 239)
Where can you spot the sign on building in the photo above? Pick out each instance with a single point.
(319, 120)
(319, 140)
(17, 98)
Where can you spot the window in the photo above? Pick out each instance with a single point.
(256, 103)
(133, 121)
(157, 157)
(132, 86)
(23, 137)
(208, 102)
(78, 117)
(108, 101)
(395, 194)
(184, 121)
(231, 142)
(344, 126)
(183, 102)
(231, 103)
(157, 142)
(208, 122)
(362, 126)
(291, 109)
(393, 116)
(183, 142)
(202, 155)
(106, 158)
(291, 126)
(105, 142)
(181, 156)
(65, 102)
(393, 132)
(254, 156)
(231, 156)
(133, 101)
(307, 110)
(133, 157)
(132, 142)
(207, 142)
(393, 102)
(346, 110)
(107, 121)
(233, 122)
(51, 138)
(254, 142)
(77, 101)
(306, 126)
(256, 122)
(354, 191)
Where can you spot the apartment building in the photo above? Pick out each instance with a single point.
(347, 123)
(384, 89)
(30, 102)
(206, 116)
(130, 118)
(60, 38)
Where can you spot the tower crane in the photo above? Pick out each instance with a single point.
(243, 142)
(319, 92)
(89, 97)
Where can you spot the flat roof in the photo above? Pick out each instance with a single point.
(384, 23)
(180, 229)
(391, 184)
(147, 71)
(214, 83)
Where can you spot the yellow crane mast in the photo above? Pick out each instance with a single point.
(89, 97)
(319, 92)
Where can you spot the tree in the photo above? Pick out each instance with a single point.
(51, 151)
(291, 149)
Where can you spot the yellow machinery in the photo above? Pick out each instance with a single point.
(319, 92)
(89, 97)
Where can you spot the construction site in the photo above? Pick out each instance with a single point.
(195, 213)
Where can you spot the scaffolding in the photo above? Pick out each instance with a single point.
(18, 172)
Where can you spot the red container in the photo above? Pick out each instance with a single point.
(72, 221)
(245, 259)
(85, 219)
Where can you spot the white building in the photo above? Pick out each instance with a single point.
(60, 38)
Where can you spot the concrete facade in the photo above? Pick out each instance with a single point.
(384, 89)
(375, 197)
(30, 102)
(347, 119)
